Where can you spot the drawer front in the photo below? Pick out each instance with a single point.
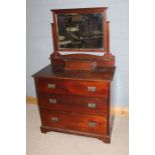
(88, 105)
(75, 121)
(75, 87)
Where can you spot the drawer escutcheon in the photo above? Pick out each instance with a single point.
(51, 85)
(55, 119)
(91, 88)
(53, 101)
(91, 124)
(91, 105)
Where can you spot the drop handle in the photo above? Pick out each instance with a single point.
(91, 105)
(51, 85)
(91, 88)
(55, 119)
(53, 101)
(91, 124)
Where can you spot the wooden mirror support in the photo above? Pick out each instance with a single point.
(82, 61)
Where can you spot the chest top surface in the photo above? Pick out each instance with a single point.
(100, 74)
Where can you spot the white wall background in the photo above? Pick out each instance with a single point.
(40, 43)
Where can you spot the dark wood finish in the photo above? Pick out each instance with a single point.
(70, 87)
(82, 11)
(102, 74)
(83, 60)
(70, 98)
(74, 90)
(54, 31)
(104, 138)
(74, 121)
(85, 105)
(108, 36)
(77, 65)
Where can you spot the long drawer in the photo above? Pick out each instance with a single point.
(87, 105)
(73, 87)
(75, 121)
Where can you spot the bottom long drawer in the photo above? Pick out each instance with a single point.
(75, 121)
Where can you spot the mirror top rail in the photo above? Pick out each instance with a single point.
(79, 10)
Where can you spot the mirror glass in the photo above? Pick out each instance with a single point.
(80, 31)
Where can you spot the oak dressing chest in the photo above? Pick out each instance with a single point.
(74, 90)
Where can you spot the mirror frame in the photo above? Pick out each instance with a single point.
(82, 11)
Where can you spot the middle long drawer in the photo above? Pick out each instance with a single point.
(88, 105)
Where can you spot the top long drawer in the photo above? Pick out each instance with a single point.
(74, 87)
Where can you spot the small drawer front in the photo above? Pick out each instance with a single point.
(88, 105)
(75, 121)
(73, 87)
(51, 86)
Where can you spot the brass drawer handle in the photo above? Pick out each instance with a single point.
(91, 105)
(91, 88)
(53, 101)
(55, 119)
(51, 85)
(91, 124)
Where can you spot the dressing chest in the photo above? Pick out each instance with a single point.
(74, 90)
